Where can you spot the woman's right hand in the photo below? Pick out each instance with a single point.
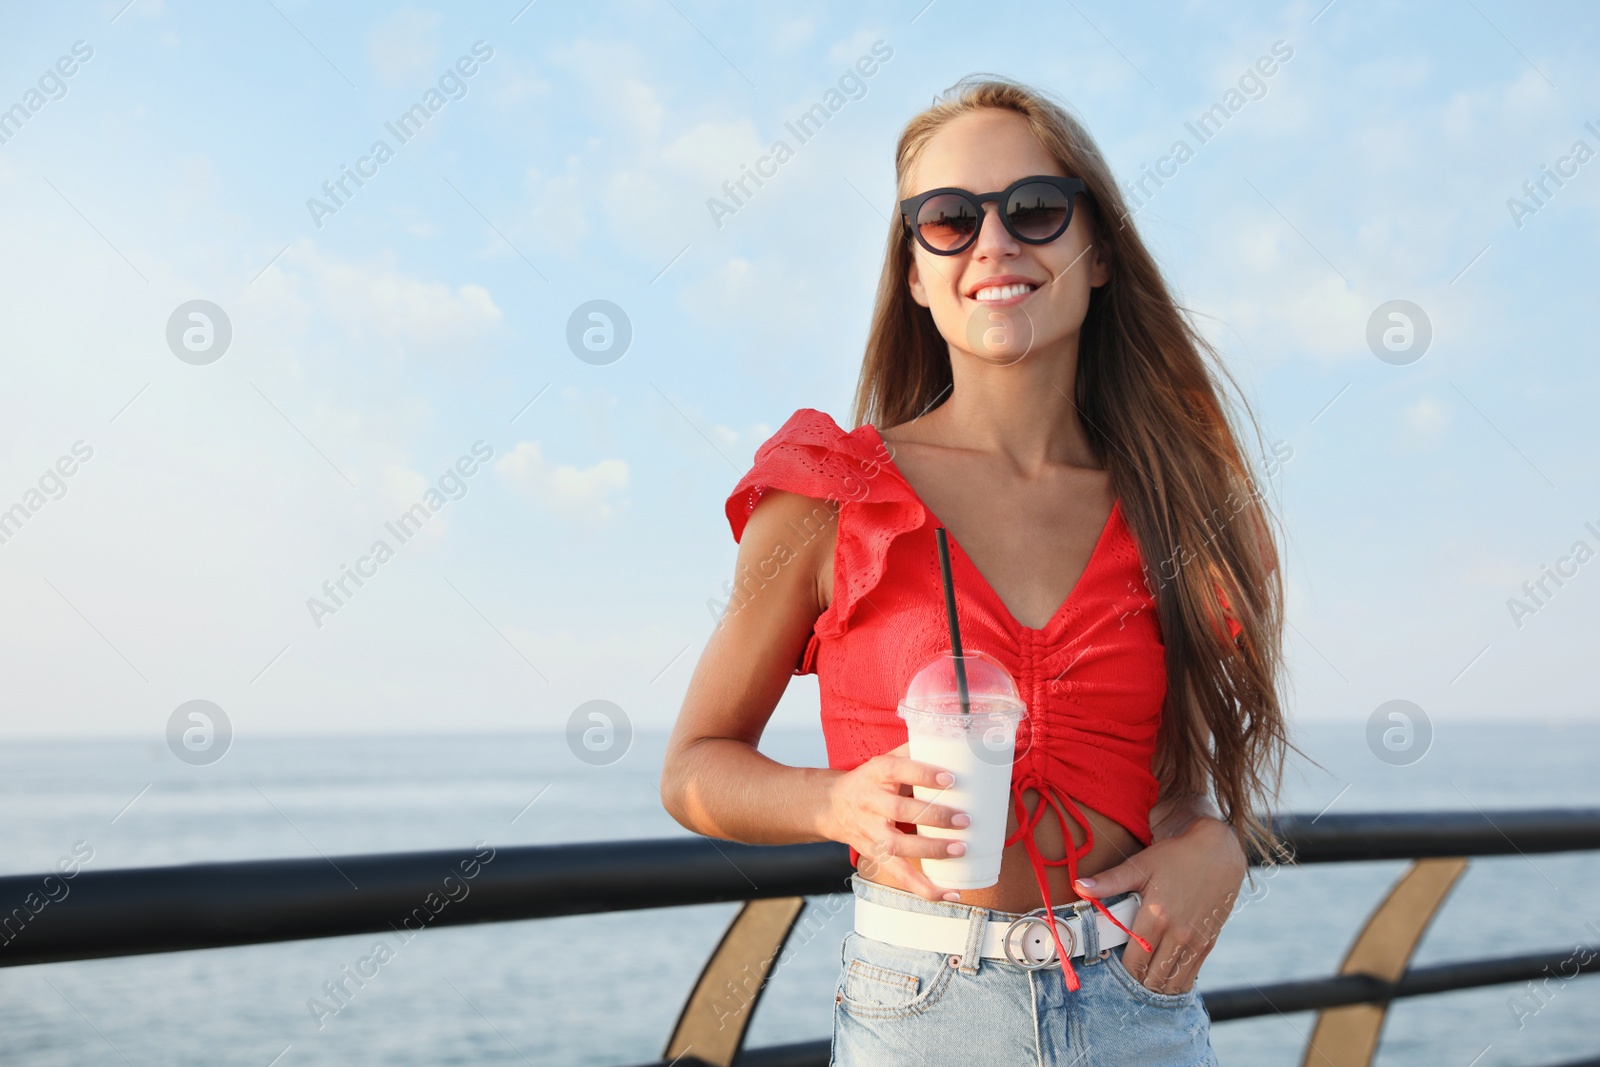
(864, 805)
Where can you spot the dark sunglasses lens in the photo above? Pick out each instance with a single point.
(947, 221)
(1039, 211)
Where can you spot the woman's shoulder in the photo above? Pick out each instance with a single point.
(811, 455)
(809, 428)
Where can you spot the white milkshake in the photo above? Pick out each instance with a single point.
(977, 747)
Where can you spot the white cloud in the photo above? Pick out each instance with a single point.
(1498, 574)
(556, 207)
(375, 301)
(521, 86)
(741, 289)
(654, 212)
(852, 48)
(1430, 194)
(613, 97)
(1288, 297)
(401, 488)
(580, 494)
(737, 302)
(652, 194)
(714, 151)
(745, 442)
(794, 34)
(405, 49)
(688, 426)
(1425, 421)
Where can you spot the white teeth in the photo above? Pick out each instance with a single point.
(1002, 292)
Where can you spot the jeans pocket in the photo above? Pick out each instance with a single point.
(882, 981)
(1141, 992)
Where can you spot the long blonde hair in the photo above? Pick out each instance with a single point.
(1147, 395)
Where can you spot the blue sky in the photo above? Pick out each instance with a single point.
(375, 345)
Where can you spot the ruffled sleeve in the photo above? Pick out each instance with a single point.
(811, 455)
(806, 456)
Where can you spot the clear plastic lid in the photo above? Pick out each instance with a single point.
(933, 697)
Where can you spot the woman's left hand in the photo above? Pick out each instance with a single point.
(1188, 883)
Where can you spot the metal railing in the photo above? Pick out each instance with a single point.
(215, 905)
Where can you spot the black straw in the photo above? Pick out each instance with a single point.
(950, 613)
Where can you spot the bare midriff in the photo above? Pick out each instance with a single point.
(1018, 888)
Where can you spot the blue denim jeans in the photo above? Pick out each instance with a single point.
(906, 1007)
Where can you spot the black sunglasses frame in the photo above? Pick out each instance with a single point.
(912, 206)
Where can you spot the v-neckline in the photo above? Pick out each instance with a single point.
(1094, 555)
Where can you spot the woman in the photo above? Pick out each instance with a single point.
(1041, 397)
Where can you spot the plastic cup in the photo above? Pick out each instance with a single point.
(978, 747)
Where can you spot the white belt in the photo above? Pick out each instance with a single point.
(1024, 941)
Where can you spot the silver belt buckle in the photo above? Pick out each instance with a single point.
(1031, 943)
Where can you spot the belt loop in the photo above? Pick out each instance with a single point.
(972, 956)
(1089, 935)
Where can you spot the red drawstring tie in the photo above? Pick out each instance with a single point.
(1026, 821)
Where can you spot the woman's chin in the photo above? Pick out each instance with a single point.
(1005, 349)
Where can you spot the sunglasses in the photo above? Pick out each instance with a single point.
(1034, 210)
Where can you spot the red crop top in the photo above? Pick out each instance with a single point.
(1093, 678)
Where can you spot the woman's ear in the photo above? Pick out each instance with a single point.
(914, 282)
(1099, 266)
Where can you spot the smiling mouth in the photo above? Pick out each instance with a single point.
(1003, 294)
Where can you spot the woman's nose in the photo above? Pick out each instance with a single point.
(993, 237)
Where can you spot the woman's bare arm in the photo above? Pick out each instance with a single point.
(715, 782)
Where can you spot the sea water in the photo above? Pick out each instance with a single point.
(605, 990)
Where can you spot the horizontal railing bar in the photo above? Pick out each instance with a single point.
(800, 1054)
(50, 918)
(1317, 993)
(1226, 1005)
(816, 1053)
(215, 905)
(1429, 834)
